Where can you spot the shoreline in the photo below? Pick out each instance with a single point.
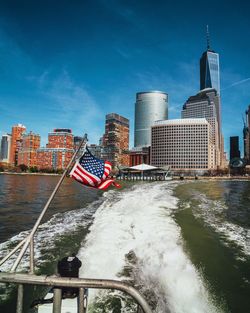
(173, 178)
(33, 174)
(214, 178)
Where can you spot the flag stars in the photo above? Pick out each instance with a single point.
(92, 172)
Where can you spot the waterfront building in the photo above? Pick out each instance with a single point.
(150, 106)
(246, 136)
(234, 147)
(96, 150)
(28, 149)
(5, 149)
(139, 155)
(58, 152)
(77, 141)
(183, 144)
(16, 138)
(60, 138)
(209, 68)
(206, 104)
(116, 140)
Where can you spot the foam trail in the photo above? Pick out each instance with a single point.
(47, 234)
(213, 213)
(140, 220)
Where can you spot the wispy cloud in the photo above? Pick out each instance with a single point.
(179, 84)
(44, 99)
(123, 53)
(242, 81)
(121, 9)
(14, 61)
(72, 106)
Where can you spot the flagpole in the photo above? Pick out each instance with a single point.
(30, 237)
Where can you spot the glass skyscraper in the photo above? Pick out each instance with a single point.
(210, 70)
(5, 148)
(246, 136)
(210, 80)
(150, 106)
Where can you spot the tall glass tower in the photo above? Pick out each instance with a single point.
(209, 68)
(150, 106)
(5, 148)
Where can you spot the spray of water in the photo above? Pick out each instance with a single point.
(213, 213)
(59, 225)
(140, 221)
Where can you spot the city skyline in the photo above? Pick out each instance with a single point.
(62, 68)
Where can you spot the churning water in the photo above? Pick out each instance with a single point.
(140, 221)
(185, 246)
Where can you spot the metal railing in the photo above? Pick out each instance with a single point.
(80, 283)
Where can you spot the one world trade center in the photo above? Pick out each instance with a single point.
(209, 69)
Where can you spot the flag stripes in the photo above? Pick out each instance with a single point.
(92, 172)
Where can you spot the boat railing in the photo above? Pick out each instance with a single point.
(81, 283)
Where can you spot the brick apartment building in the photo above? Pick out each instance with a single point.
(116, 140)
(16, 138)
(59, 150)
(27, 153)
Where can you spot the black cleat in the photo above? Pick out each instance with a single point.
(36, 303)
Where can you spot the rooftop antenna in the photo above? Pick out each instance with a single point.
(208, 39)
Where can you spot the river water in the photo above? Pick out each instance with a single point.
(184, 245)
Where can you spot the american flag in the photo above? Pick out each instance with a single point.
(93, 172)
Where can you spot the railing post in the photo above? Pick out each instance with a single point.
(32, 263)
(81, 301)
(19, 304)
(86, 291)
(57, 300)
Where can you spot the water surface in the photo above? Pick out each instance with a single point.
(184, 245)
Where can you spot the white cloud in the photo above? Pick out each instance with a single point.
(74, 107)
(179, 85)
(122, 53)
(239, 82)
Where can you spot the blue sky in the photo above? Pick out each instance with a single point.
(68, 63)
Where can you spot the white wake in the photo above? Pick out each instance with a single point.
(213, 213)
(140, 220)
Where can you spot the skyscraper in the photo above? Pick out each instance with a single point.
(246, 136)
(17, 132)
(206, 104)
(5, 149)
(150, 106)
(234, 147)
(209, 68)
(116, 140)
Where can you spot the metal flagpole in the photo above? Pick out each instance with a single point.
(30, 237)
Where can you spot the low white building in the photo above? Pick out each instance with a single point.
(183, 144)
